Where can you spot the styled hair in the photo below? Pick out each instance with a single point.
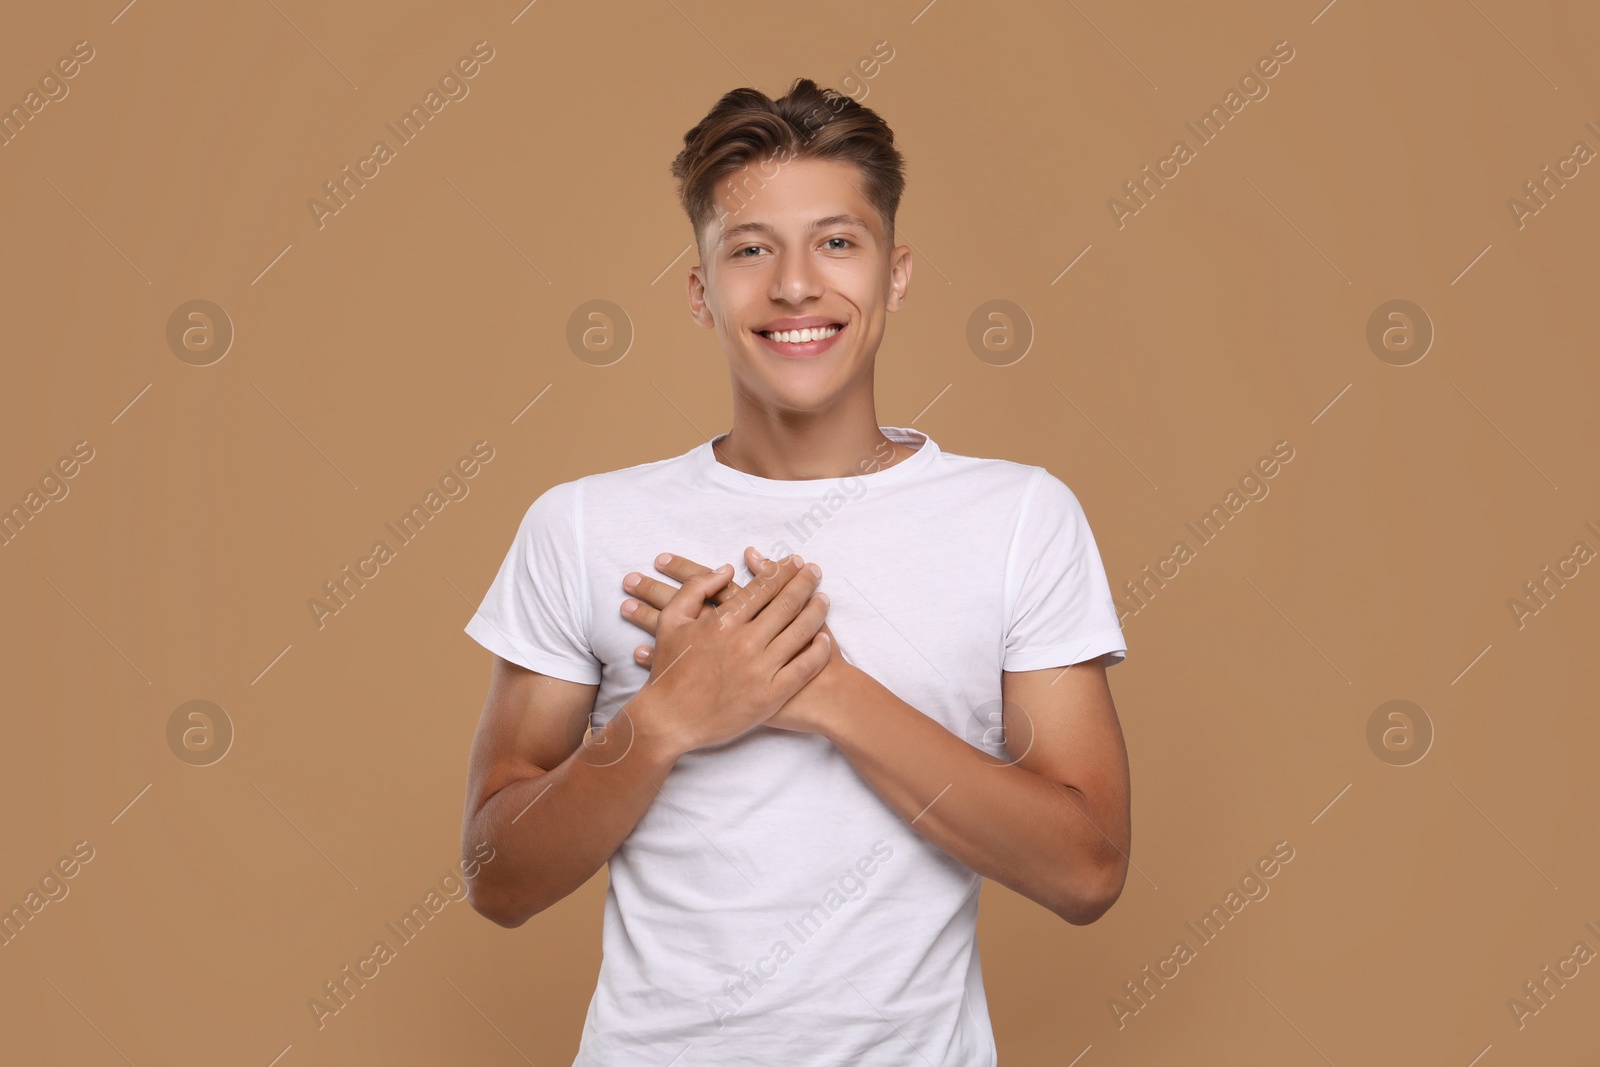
(747, 127)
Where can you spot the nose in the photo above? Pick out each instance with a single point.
(796, 278)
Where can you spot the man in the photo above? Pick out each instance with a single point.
(799, 792)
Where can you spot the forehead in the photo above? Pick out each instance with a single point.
(774, 196)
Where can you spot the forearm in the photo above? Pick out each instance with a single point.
(1040, 838)
(552, 832)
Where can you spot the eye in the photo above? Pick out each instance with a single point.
(846, 240)
(738, 254)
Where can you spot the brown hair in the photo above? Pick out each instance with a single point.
(810, 122)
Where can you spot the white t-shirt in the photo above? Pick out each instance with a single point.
(769, 906)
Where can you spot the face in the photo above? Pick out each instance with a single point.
(781, 249)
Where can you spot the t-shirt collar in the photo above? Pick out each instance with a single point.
(707, 463)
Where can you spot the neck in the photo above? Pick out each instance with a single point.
(785, 447)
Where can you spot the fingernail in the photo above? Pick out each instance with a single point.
(628, 607)
(631, 580)
(823, 597)
(816, 571)
(663, 559)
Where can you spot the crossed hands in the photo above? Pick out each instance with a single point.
(728, 658)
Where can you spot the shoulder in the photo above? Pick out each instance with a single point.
(1027, 485)
(1006, 474)
(570, 499)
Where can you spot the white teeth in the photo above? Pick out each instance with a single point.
(796, 337)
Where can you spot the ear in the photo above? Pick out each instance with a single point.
(696, 284)
(899, 277)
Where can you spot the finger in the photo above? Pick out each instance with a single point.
(641, 655)
(642, 615)
(794, 637)
(655, 593)
(765, 587)
(691, 597)
(682, 569)
(795, 595)
(804, 667)
(759, 564)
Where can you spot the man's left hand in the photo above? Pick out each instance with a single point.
(808, 709)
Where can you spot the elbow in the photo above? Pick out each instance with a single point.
(1091, 895)
(492, 906)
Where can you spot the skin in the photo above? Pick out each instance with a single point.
(556, 799)
(1051, 824)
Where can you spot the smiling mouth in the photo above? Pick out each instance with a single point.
(812, 333)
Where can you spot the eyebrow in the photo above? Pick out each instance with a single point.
(761, 227)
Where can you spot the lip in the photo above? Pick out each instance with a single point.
(809, 350)
(801, 323)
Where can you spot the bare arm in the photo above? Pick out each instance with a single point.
(553, 808)
(1050, 823)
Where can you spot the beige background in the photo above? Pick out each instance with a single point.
(369, 354)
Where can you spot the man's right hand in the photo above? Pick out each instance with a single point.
(721, 670)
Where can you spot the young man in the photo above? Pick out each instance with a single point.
(801, 774)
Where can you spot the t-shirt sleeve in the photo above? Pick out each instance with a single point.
(1059, 608)
(536, 612)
